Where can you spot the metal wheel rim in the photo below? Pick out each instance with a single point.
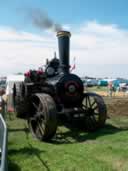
(95, 111)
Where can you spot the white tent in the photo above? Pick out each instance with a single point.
(11, 79)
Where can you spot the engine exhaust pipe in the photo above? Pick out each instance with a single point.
(64, 45)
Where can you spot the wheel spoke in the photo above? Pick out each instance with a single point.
(85, 107)
(96, 113)
(96, 107)
(40, 108)
(40, 118)
(86, 102)
(40, 128)
(37, 131)
(93, 103)
(89, 101)
(36, 107)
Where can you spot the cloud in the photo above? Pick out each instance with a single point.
(92, 43)
(20, 51)
(101, 44)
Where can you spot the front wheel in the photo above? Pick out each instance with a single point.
(95, 111)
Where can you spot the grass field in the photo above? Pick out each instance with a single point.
(70, 150)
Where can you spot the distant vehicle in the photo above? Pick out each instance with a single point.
(91, 82)
(3, 83)
(123, 86)
(84, 82)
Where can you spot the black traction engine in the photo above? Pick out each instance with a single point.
(49, 95)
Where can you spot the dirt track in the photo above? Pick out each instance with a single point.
(117, 105)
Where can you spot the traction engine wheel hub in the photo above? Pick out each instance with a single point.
(70, 90)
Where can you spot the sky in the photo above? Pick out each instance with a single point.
(99, 35)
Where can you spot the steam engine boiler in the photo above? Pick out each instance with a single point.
(46, 95)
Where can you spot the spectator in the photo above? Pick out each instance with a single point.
(114, 88)
(110, 88)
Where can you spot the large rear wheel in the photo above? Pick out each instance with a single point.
(43, 122)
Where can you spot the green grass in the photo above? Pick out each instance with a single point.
(70, 150)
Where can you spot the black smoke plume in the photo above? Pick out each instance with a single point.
(40, 19)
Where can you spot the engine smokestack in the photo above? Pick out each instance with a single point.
(64, 45)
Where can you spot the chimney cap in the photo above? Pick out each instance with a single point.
(63, 33)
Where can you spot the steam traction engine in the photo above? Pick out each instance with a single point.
(44, 97)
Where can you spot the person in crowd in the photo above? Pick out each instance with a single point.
(110, 89)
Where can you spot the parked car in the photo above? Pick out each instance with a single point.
(91, 82)
(123, 87)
